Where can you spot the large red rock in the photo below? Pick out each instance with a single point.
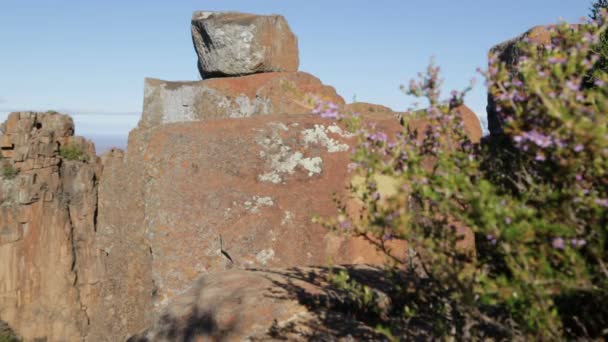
(232, 193)
(236, 44)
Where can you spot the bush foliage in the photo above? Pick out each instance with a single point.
(535, 199)
(9, 171)
(73, 152)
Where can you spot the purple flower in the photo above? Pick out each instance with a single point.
(602, 201)
(578, 148)
(557, 60)
(599, 83)
(508, 220)
(579, 177)
(345, 224)
(329, 115)
(572, 86)
(352, 167)
(577, 243)
(491, 239)
(558, 243)
(388, 237)
(377, 136)
(375, 196)
(540, 157)
(539, 139)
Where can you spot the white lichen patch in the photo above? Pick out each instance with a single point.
(258, 202)
(264, 256)
(282, 159)
(318, 135)
(245, 107)
(312, 165)
(279, 125)
(337, 130)
(287, 218)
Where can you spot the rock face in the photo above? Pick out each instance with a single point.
(258, 305)
(47, 215)
(509, 52)
(220, 175)
(233, 193)
(236, 44)
(233, 97)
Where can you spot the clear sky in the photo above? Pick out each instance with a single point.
(89, 57)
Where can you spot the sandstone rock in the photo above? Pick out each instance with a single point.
(125, 289)
(366, 108)
(232, 193)
(236, 44)
(471, 123)
(255, 305)
(47, 216)
(233, 97)
(509, 52)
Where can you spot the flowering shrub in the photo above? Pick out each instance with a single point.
(535, 200)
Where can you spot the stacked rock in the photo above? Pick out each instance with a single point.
(237, 44)
(249, 65)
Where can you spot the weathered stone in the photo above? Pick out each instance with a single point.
(125, 289)
(261, 305)
(470, 120)
(508, 52)
(47, 215)
(236, 44)
(233, 97)
(366, 108)
(236, 193)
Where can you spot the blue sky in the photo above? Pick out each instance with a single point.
(89, 58)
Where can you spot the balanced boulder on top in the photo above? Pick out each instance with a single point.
(236, 44)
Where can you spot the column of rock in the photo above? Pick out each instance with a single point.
(47, 214)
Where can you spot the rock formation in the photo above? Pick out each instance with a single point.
(47, 221)
(237, 44)
(233, 97)
(220, 175)
(508, 52)
(275, 304)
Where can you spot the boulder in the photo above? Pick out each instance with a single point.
(267, 305)
(231, 193)
(509, 52)
(366, 108)
(236, 44)
(470, 120)
(233, 97)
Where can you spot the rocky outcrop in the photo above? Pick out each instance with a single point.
(233, 193)
(47, 220)
(258, 305)
(233, 97)
(509, 52)
(366, 108)
(237, 44)
(221, 175)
